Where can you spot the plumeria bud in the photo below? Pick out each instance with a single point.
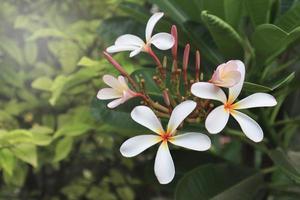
(186, 54)
(226, 74)
(175, 46)
(197, 65)
(118, 90)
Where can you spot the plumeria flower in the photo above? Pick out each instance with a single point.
(129, 42)
(226, 74)
(164, 167)
(217, 118)
(118, 90)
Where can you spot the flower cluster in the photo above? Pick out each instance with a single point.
(187, 99)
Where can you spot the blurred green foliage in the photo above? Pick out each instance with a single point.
(53, 145)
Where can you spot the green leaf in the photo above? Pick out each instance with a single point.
(63, 149)
(291, 19)
(12, 49)
(270, 40)
(233, 12)
(42, 83)
(225, 37)
(284, 81)
(47, 32)
(72, 130)
(285, 164)
(259, 11)
(7, 161)
(30, 52)
(25, 152)
(219, 182)
(88, 62)
(253, 87)
(119, 117)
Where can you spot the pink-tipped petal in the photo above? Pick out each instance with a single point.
(236, 89)
(108, 93)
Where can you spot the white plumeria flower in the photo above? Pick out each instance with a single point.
(217, 118)
(133, 43)
(119, 91)
(226, 75)
(164, 167)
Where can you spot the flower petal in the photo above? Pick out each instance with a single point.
(116, 103)
(164, 168)
(250, 127)
(179, 113)
(146, 117)
(256, 100)
(194, 141)
(136, 145)
(216, 120)
(236, 89)
(122, 81)
(163, 41)
(151, 23)
(112, 82)
(108, 93)
(206, 90)
(129, 40)
(119, 48)
(135, 52)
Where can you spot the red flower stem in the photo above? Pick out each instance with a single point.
(198, 62)
(158, 63)
(120, 69)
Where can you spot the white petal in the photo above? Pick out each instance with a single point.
(108, 93)
(135, 52)
(216, 120)
(194, 141)
(256, 100)
(136, 145)
(151, 23)
(115, 103)
(164, 168)
(163, 41)
(236, 89)
(129, 40)
(119, 48)
(122, 81)
(112, 82)
(179, 113)
(146, 117)
(206, 90)
(250, 127)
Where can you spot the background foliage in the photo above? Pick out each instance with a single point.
(56, 144)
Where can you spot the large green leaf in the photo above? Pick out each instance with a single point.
(233, 10)
(219, 182)
(290, 20)
(270, 40)
(26, 152)
(259, 11)
(225, 37)
(63, 148)
(285, 163)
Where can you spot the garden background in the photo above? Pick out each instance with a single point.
(57, 141)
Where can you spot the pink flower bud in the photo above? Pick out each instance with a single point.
(226, 75)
